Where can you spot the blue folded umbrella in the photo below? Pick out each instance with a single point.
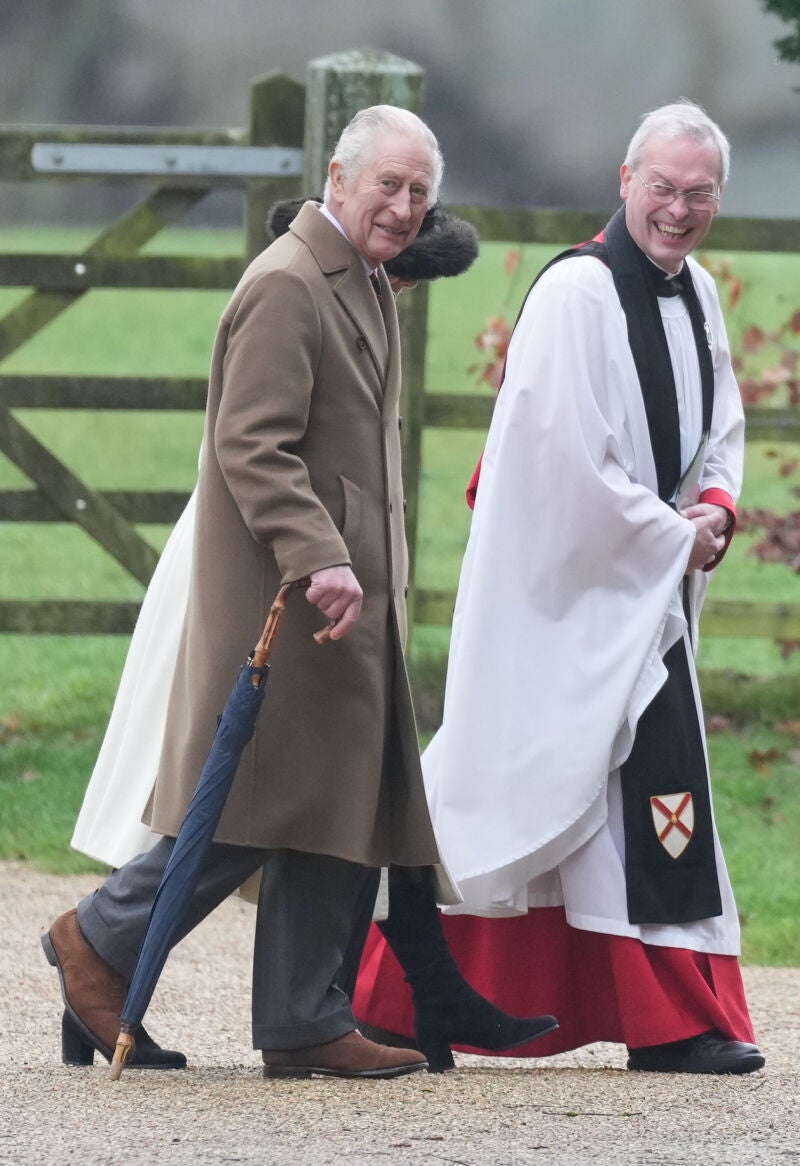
(234, 729)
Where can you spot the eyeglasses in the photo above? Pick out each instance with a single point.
(661, 193)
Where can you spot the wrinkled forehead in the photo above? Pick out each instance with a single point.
(684, 159)
(394, 148)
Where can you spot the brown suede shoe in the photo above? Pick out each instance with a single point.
(94, 995)
(348, 1056)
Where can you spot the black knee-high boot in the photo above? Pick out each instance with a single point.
(447, 1008)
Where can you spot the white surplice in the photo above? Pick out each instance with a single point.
(567, 602)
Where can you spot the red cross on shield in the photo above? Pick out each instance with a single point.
(673, 818)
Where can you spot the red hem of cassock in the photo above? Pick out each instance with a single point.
(599, 987)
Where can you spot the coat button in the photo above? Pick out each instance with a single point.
(405, 592)
(361, 343)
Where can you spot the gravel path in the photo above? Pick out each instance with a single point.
(572, 1109)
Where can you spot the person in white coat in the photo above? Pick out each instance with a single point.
(568, 783)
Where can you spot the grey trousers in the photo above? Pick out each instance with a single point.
(311, 921)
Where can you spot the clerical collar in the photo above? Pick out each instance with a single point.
(662, 283)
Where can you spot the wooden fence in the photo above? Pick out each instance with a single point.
(283, 152)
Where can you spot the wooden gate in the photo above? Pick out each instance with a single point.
(282, 153)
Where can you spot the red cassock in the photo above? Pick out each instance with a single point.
(600, 987)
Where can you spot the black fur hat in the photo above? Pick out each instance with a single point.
(445, 245)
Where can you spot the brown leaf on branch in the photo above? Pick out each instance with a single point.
(754, 391)
(495, 336)
(767, 551)
(782, 541)
(788, 467)
(495, 339)
(788, 647)
(753, 338)
(735, 292)
(750, 518)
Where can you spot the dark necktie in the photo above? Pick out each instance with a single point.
(376, 287)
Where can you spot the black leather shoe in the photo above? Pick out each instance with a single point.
(484, 1027)
(76, 1049)
(472, 1020)
(707, 1053)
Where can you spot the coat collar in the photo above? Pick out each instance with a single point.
(342, 264)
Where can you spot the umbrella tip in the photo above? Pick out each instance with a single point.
(122, 1054)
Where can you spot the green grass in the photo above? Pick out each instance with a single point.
(56, 691)
(758, 813)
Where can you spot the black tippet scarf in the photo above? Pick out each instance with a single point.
(667, 755)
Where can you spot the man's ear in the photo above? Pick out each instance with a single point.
(336, 175)
(625, 176)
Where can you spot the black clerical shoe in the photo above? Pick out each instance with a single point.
(707, 1053)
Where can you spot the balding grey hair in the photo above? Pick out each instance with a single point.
(357, 142)
(681, 119)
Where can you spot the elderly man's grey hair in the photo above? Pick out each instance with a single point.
(357, 141)
(683, 118)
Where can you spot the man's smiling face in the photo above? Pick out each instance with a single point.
(668, 233)
(382, 206)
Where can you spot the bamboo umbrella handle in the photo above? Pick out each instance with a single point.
(263, 649)
(122, 1054)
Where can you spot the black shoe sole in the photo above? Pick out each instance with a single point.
(748, 1064)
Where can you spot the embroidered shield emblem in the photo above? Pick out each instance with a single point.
(673, 818)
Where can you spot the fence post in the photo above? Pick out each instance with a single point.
(276, 119)
(337, 87)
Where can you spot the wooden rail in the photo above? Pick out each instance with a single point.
(289, 117)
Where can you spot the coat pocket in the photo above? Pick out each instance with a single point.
(351, 526)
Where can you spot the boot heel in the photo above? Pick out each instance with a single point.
(74, 1049)
(437, 1053)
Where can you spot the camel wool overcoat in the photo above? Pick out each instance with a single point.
(301, 470)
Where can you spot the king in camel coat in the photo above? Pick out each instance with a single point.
(300, 471)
